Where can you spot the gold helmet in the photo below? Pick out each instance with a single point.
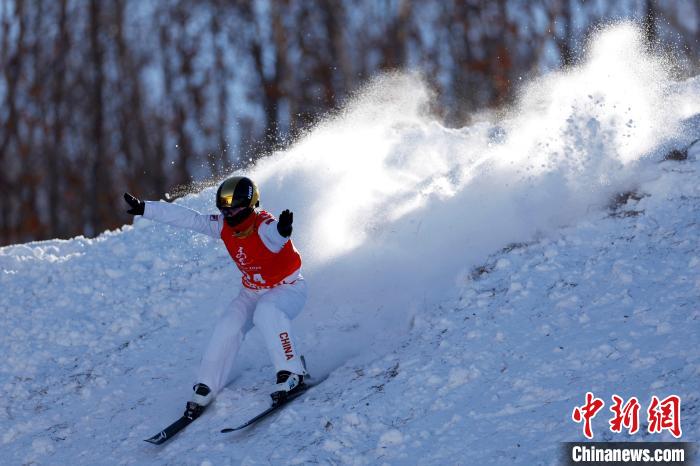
(236, 198)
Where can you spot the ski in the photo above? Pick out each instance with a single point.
(170, 431)
(273, 408)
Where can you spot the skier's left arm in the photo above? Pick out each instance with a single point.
(276, 233)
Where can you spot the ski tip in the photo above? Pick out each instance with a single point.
(157, 439)
(227, 430)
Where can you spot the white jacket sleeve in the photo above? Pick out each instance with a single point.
(270, 237)
(183, 217)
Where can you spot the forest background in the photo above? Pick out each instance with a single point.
(162, 97)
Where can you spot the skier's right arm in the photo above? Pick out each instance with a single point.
(176, 215)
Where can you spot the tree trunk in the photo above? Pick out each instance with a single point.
(649, 23)
(97, 183)
(54, 152)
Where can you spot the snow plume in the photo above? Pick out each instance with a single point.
(391, 205)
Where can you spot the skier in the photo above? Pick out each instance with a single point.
(273, 290)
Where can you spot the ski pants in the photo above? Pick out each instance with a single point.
(271, 311)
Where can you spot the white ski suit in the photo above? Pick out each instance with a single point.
(268, 309)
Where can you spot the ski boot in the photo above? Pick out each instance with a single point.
(200, 399)
(288, 384)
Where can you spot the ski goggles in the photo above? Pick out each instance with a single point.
(231, 211)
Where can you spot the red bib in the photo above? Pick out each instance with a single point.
(261, 267)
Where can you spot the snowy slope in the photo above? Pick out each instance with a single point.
(467, 288)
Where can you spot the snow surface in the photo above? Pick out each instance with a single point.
(467, 288)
